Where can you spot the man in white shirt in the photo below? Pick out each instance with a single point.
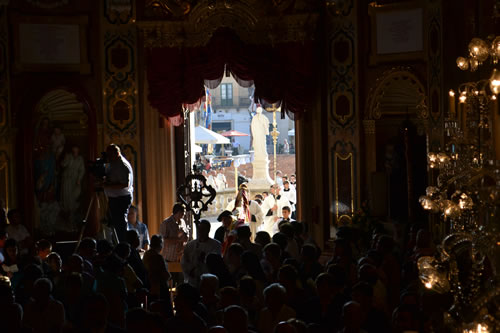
(273, 206)
(279, 178)
(119, 188)
(221, 179)
(18, 231)
(195, 252)
(211, 180)
(175, 233)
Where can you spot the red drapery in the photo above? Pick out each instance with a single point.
(282, 72)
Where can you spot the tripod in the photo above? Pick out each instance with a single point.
(101, 200)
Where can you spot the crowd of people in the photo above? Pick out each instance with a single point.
(244, 279)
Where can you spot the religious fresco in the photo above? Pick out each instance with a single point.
(60, 152)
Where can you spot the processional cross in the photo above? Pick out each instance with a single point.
(274, 133)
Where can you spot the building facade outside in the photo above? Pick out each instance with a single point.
(233, 108)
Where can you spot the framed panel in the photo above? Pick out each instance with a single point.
(343, 168)
(398, 32)
(50, 43)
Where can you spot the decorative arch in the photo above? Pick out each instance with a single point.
(69, 110)
(395, 90)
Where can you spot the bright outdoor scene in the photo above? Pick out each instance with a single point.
(224, 146)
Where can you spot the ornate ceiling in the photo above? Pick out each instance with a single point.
(192, 23)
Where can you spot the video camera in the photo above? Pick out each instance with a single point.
(98, 167)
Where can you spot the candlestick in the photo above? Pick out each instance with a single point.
(452, 104)
(462, 112)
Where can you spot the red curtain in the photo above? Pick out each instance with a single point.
(282, 72)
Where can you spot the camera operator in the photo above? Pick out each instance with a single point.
(119, 188)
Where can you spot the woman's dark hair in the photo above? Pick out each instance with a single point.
(247, 286)
(123, 250)
(280, 239)
(104, 246)
(11, 213)
(217, 267)
(11, 242)
(251, 262)
(43, 244)
(189, 293)
(262, 238)
(178, 207)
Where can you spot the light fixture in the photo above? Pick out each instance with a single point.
(479, 51)
(466, 195)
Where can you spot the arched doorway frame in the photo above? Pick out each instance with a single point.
(374, 114)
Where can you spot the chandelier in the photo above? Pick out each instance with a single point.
(467, 197)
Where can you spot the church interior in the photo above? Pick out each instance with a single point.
(397, 125)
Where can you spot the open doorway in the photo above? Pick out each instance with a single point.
(227, 160)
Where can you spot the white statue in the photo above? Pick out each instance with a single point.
(260, 130)
(71, 187)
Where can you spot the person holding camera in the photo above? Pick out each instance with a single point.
(119, 188)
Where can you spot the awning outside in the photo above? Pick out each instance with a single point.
(205, 136)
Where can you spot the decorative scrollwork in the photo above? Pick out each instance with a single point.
(392, 92)
(196, 195)
(165, 8)
(254, 21)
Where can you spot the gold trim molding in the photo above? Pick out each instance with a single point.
(369, 126)
(249, 23)
(343, 157)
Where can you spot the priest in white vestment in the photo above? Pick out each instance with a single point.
(272, 207)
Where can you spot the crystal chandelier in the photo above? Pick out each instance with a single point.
(467, 197)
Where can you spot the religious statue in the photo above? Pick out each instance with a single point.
(71, 187)
(260, 129)
(58, 141)
(44, 163)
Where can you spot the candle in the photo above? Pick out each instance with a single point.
(496, 126)
(452, 104)
(462, 116)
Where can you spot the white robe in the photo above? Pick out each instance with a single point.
(269, 203)
(291, 195)
(71, 187)
(221, 181)
(212, 182)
